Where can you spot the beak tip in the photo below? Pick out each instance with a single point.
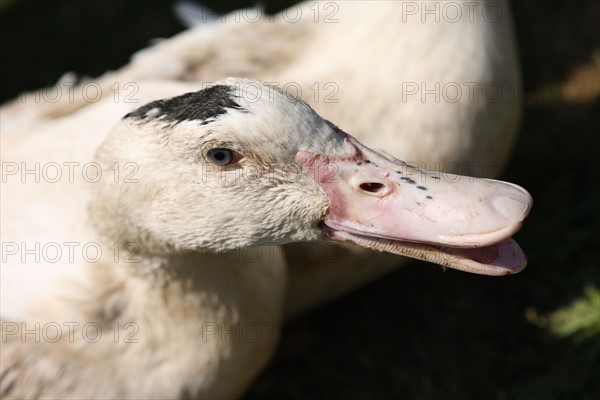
(514, 206)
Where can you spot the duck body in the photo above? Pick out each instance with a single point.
(193, 327)
(436, 91)
(442, 92)
(196, 278)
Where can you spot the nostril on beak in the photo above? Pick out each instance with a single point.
(372, 187)
(361, 185)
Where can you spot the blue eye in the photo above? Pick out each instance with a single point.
(220, 156)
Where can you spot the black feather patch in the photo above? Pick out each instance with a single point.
(203, 105)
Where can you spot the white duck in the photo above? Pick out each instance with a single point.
(440, 80)
(216, 172)
(367, 37)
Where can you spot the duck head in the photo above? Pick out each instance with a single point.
(241, 163)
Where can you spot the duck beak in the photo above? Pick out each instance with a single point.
(380, 202)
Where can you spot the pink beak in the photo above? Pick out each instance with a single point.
(460, 222)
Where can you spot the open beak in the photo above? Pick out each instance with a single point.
(380, 202)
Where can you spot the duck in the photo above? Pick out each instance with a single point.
(189, 301)
(436, 86)
(356, 65)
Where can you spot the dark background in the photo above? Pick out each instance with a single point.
(418, 333)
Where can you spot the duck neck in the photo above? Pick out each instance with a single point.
(234, 286)
(191, 314)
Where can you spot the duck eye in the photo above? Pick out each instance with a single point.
(220, 156)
